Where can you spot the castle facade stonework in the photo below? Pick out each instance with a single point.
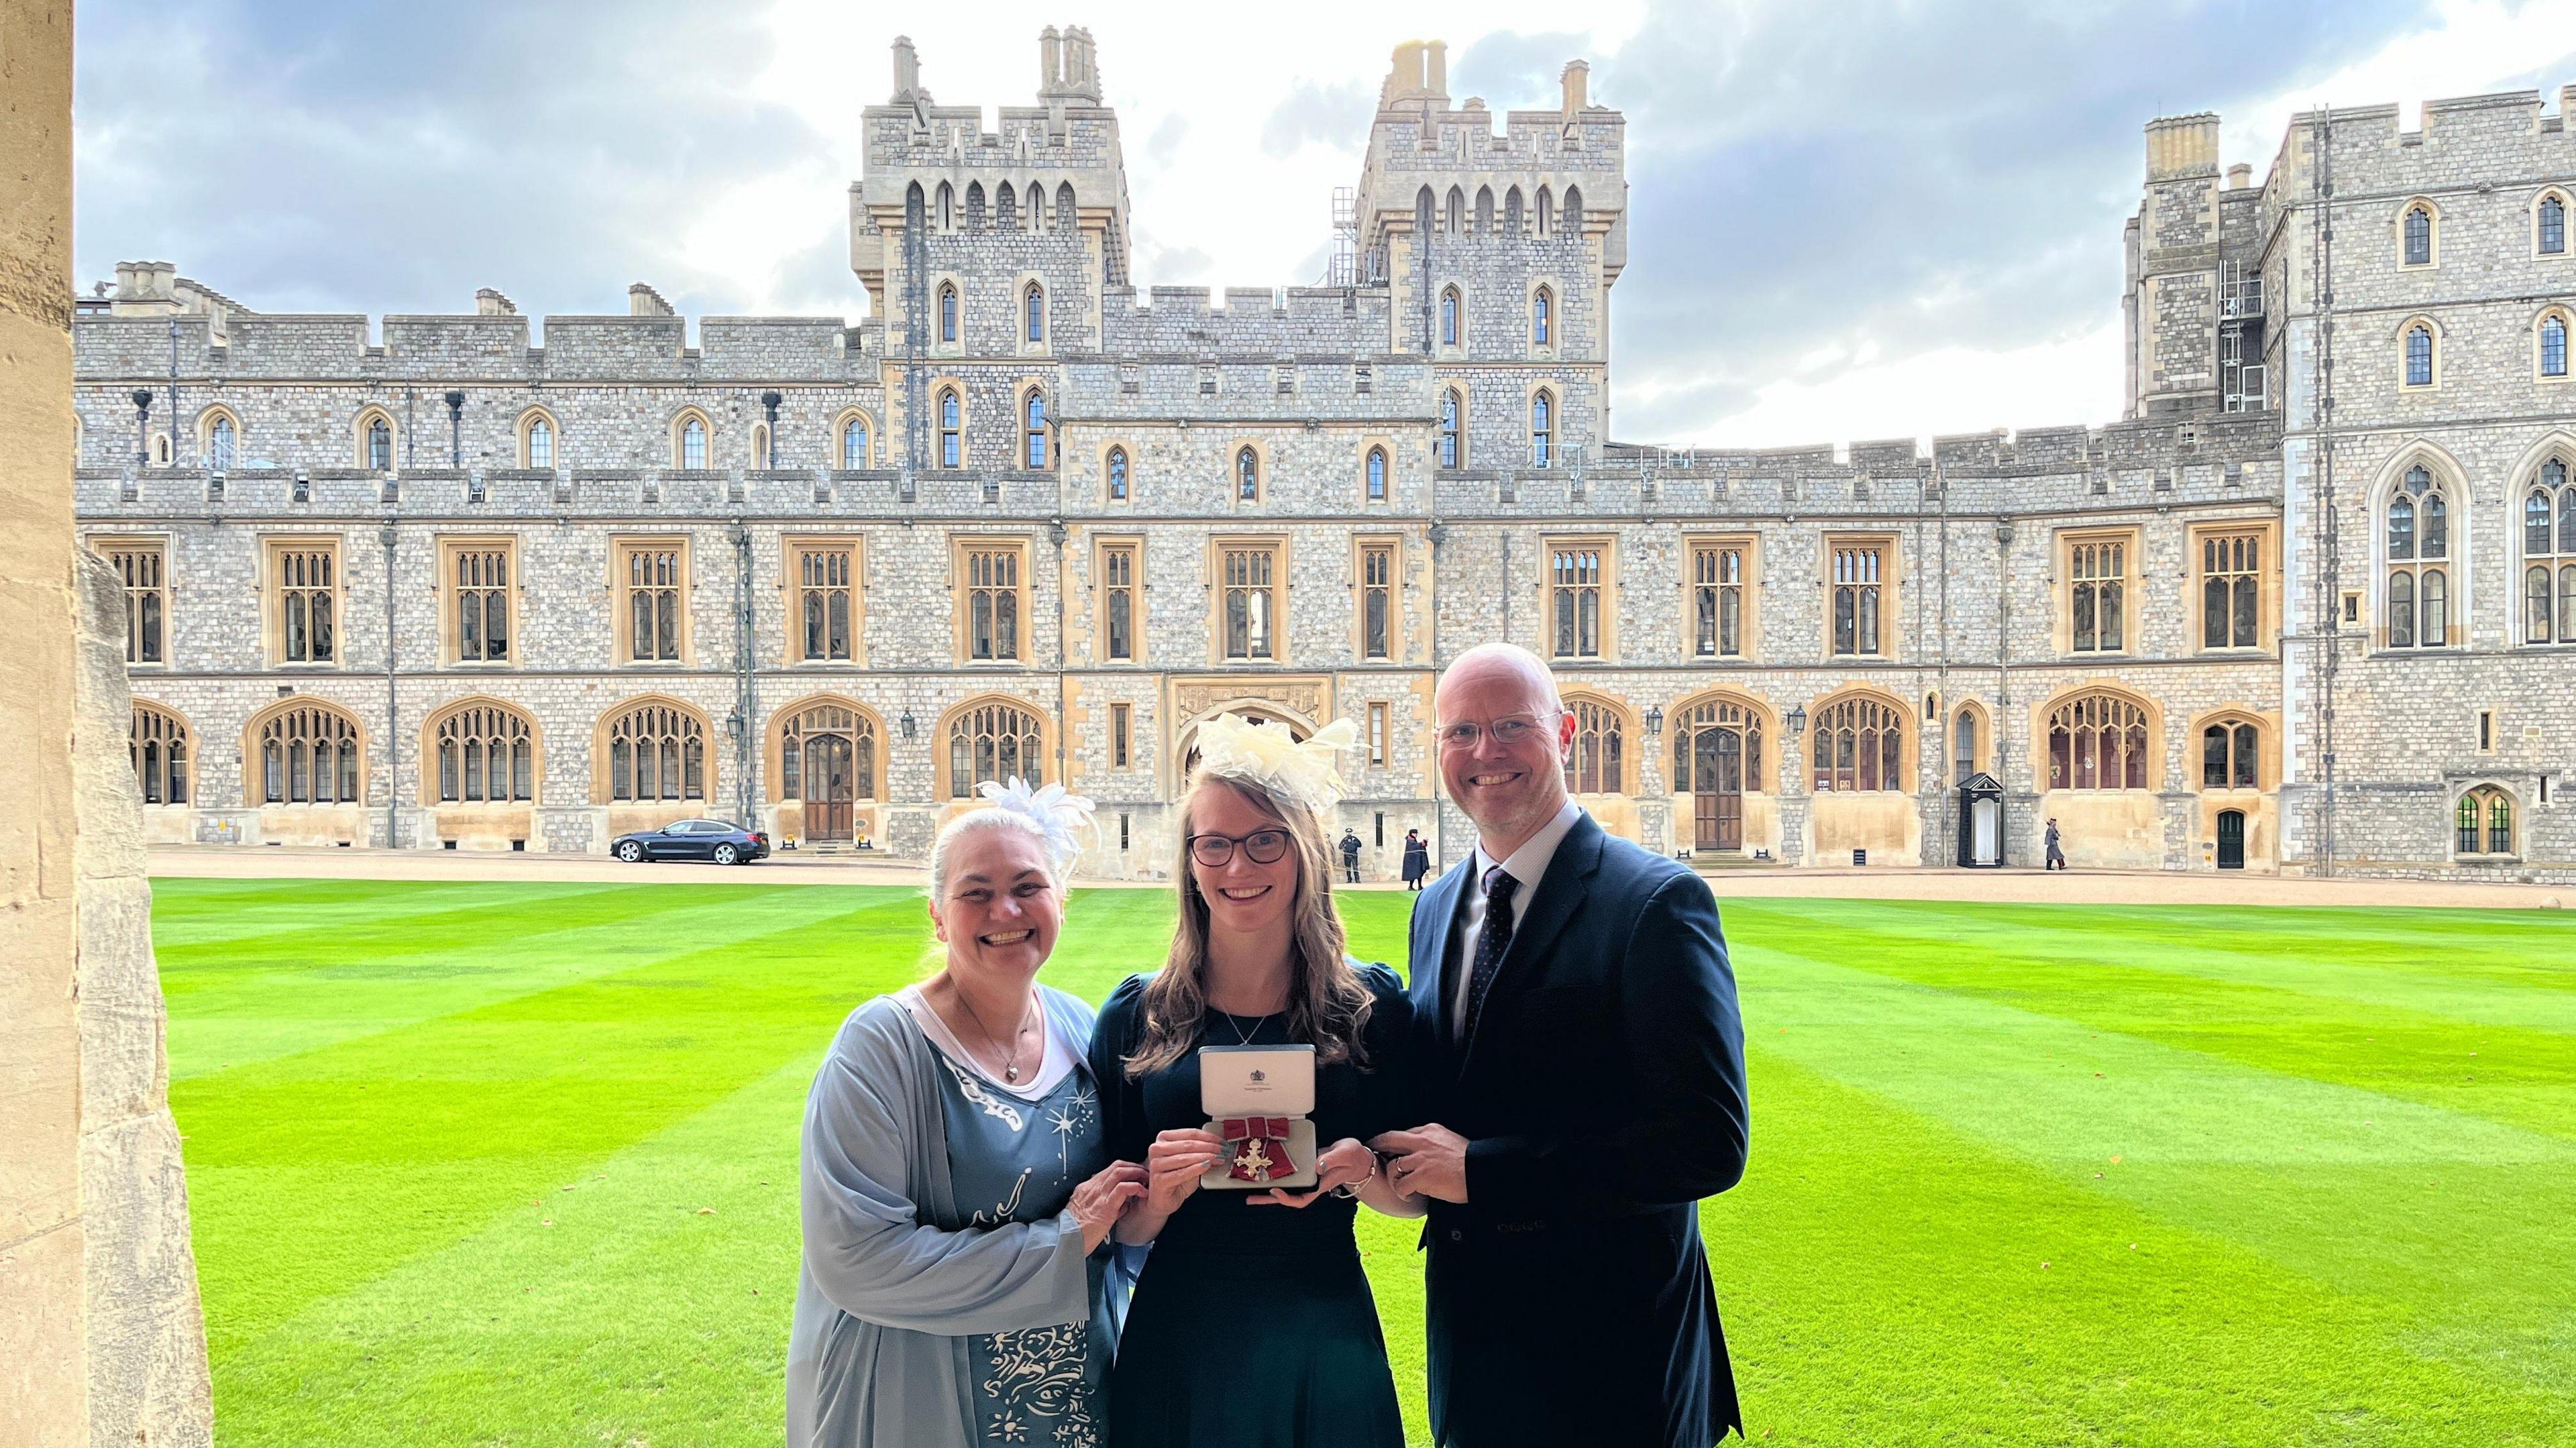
(2310, 606)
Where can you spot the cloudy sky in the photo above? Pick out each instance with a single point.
(1848, 220)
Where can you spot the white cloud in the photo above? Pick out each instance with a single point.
(393, 160)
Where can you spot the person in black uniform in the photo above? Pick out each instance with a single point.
(1350, 857)
(1417, 860)
(1252, 1325)
(1583, 1064)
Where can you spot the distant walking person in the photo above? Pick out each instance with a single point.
(1417, 860)
(1351, 856)
(2056, 856)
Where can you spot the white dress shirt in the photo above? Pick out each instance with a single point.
(1528, 865)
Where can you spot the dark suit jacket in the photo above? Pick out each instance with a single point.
(1603, 1097)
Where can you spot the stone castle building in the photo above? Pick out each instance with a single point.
(2311, 605)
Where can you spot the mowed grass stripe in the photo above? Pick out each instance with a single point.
(2368, 1193)
(2519, 1077)
(1887, 1279)
(262, 996)
(326, 1168)
(2515, 969)
(195, 912)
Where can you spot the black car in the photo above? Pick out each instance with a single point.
(692, 840)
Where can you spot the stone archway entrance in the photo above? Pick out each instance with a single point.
(827, 759)
(1717, 749)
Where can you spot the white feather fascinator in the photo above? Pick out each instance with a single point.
(1304, 771)
(1060, 816)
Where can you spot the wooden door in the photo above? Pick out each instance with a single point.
(1717, 790)
(828, 810)
(2231, 839)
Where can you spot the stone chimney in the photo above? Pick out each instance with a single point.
(2240, 176)
(489, 303)
(907, 75)
(1577, 80)
(1435, 68)
(1050, 60)
(145, 289)
(2179, 146)
(643, 301)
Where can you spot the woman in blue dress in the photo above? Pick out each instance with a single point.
(957, 1196)
(1252, 1325)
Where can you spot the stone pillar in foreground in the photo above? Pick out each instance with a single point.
(101, 1340)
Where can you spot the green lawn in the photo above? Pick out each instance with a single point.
(515, 1164)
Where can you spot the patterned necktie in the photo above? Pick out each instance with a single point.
(1490, 945)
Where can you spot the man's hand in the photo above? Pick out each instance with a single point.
(1430, 1161)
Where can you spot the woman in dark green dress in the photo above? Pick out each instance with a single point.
(1252, 1325)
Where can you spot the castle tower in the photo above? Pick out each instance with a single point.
(1499, 249)
(986, 252)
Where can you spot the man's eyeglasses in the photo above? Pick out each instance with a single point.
(1262, 847)
(1506, 732)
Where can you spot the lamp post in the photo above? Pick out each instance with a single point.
(769, 404)
(142, 427)
(456, 429)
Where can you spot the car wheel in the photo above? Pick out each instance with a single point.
(630, 852)
(726, 854)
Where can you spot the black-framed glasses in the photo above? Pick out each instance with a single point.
(1262, 847)
(1507, 731)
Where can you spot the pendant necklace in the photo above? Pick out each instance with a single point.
(1011, 1054)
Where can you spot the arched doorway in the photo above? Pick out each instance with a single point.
(1717, 748)
(2231, 839)
(827, 759)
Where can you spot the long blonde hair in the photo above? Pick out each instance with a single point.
(1328, 1005)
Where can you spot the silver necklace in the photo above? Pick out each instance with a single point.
(1011, 1053)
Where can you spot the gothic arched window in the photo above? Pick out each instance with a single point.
(993, 743)
(657, 751)
(2097, 741)
(2549, 557)
(1453, 438)
(2419, 355)
(854, 443)
(2231, 755)
(1377, 475)
(1860, 744)
(2485, 822)
(159, 744)
(1033, 428)
(1596, 762)
(1543, 318)
(952, 439)
(308, 754)
(1542, 431)
(2419, 235)
(2419, 550)
(1449, 324)
(486, 753)
(1247, 475)
(947, 312)
(1033, 312)
(1118, 475)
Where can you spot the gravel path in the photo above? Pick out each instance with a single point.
(2142, 887)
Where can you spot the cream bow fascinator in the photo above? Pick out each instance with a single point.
(1060, 816)
(1304, 771)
